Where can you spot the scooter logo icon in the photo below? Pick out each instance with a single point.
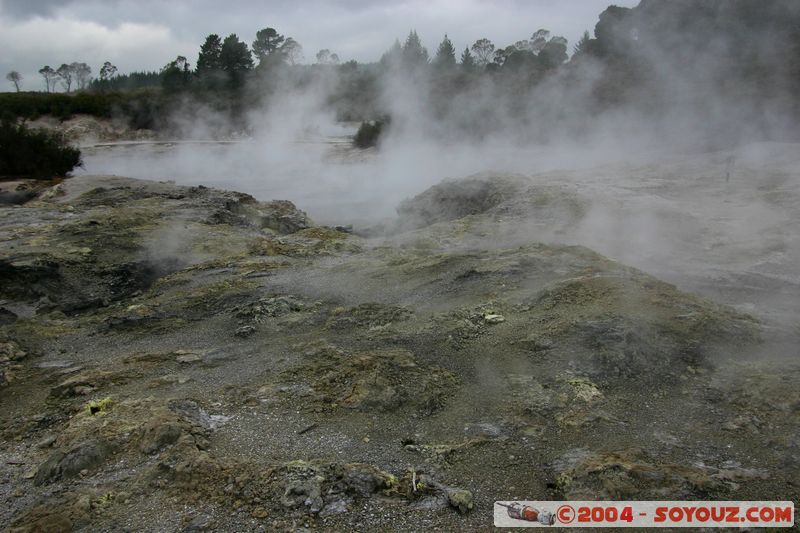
(517, 511)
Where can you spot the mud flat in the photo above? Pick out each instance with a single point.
(179, 358)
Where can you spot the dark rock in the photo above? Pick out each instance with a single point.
(364, 479)
(7, 317)
(158, 435)
(62, 465)
(29, 279)
(16, 197)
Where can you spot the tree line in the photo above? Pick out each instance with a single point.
(227, 63)
(654, 59)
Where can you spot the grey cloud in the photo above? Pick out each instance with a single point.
(25, 9)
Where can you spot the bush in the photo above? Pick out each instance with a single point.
(369, 133)
(39, 154)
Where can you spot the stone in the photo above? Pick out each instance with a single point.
(259, 512)
(60, 465)
(159, 435)
(283, 217)
(461, 500)
(493, 319)
(188, 358)
(244, 331)
(46, 442)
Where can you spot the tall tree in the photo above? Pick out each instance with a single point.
(467, 60)
(393, 56)
(209, 60)
(15, 78)
(83, 74)
(268, 41)
(66, 73)
(50, 77)
(539, 40)
(484, 51)
(176, 74)
(583, 44)
(325, 57)
(291, 51)
(235, 59)
(445, 54)
(414, 54)
(501, 55)
(553, 53)
(107, 71)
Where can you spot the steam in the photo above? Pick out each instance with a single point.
(293, 146)
(651, 160)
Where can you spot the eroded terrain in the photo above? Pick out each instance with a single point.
(185, 358)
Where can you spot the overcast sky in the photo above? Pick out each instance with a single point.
(146, 34)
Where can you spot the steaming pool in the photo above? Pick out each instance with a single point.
(314, 175)
(328, 178)
(676, 218)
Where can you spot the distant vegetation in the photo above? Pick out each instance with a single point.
(32, 105)
(743, 54)
(39, 154)
(141, 109)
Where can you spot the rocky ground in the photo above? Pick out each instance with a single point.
(190, 359)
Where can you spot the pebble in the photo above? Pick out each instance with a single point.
(46, 442)
(188, 358)
(494, 319)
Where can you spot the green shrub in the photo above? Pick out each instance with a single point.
(369, 133)
(39, 154)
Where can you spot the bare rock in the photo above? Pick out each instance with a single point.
(60, 465)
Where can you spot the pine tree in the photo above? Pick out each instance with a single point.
(583, 44)
(467, 61)
(209, 60)
(393, 56)
(235, 59)
(445, 54)
(414, 53)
